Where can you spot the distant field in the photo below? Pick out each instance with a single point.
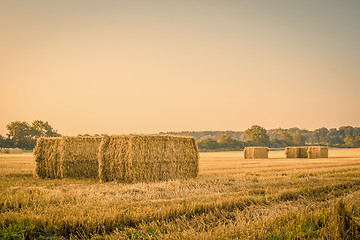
(273, 198)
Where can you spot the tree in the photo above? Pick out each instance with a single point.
(2, 141)
(23, 135)
(20, 134)
(299, 139)
(5, 142)
(208, 143)
(318, 135)
(346, 131)
(333, 138)
(287, 138)
(225, 141)
(257, 135)
(357, 142)
(43, 129)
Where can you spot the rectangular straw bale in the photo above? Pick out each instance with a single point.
(15, 151)
(317, 152)
(67, 157)
(11, 151)
(256, 152)
(296, 152)
(291, 152)
(47, 157)
(79, 157)
(147, 158)
(113, 158)
(306, 152)
(5, 150)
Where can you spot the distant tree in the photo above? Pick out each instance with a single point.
(356, 132)
(20, 134)
(318, 135)
(349, 141)
(356, 142)
(352, 141)
(43, 129)
(278, 138)
(2, 141)
(226, 141)
(287, 138)
(5, 142)
(207, 143)
(293, 130)
(346, 131)
(257, 135)
(333, 138)
(23, 135)
(298, 139)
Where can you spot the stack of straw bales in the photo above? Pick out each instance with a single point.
(73, 157)
(306, 152)
(256, 152)
(146, 158)
(11, 151)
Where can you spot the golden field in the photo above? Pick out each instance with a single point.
(232, 198)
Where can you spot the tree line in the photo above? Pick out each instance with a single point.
(24, 135)
(345, 136)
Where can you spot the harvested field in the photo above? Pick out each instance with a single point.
(232, 197)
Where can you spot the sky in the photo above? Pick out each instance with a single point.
(119, 67)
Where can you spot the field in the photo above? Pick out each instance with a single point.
(273, 198)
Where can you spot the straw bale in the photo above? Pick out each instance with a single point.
(11, 151)
(317, 152)
(67, 157)
(306, 152)
(146, 158)
(79, 157)
(296, 152)
(256, 152)
(15, 151)
(47, 157)
(5, 150)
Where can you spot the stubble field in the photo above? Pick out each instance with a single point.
(273, 198)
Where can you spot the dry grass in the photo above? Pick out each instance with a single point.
(232, 197)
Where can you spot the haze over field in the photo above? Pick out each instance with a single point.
(145, 67)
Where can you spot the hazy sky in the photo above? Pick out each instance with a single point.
(148, 66)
